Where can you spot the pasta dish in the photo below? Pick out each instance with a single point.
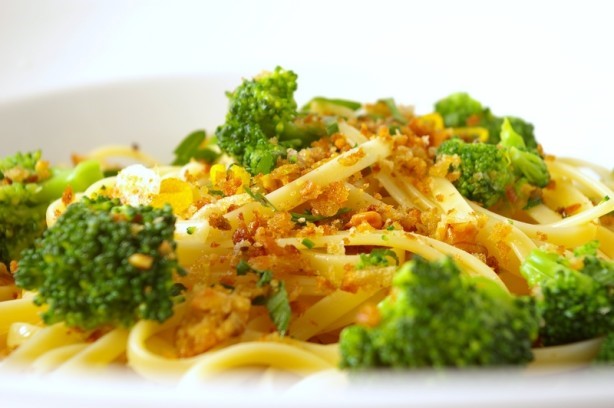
(336, 235)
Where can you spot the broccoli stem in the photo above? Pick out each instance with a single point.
(79, 178)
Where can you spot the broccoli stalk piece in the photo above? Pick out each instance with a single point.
(27, 187)
(436, 317)
(263, 122)
(78, 178)
(104, 264)
(573, 304)
(487, 172)
(461, 110)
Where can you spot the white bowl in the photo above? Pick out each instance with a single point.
(156, 114)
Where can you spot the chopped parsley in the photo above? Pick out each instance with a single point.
(307, 216)
(216, 192)
(259, 197)
(308, 243)
(279, 308)
(191, 148)
(276, 302)
(265, 278)
(377, 257)
(394, 110)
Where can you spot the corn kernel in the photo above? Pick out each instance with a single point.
(141, 261)
(240, 173)
(217, 174)
(432, 121)
(175, 192)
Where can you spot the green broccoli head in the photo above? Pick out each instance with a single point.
(485, 173)
(27, 186)
(20, 166)
(494, 123)
(103, 263)
(605, 355)
(263, 121)
(573, 304)
(435, 317)
(488, 171)
(600, 269)
(460, 110)
(528, 164)
(22, 219)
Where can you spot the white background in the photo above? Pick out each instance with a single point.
(548, 61)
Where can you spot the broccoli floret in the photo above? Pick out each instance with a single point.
(27, 186)
(263, 122)
(487, 171)
(458, 109)
(104, 264)
(606, 351)
(600, 269)
(461, 110)
(436, 317)
(527, 164)
(493, 125)
(574, 304)
(484, 172)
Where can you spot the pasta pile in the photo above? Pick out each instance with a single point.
(307, 223)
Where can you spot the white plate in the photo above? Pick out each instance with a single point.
(156, 114)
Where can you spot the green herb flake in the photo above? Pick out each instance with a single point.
(307, 216)
(265, 278)
(278, 306)
(308, 243)
(394, 110)
(377, 257)
(243, 268)
(332, 126)
(216, 192)
(532, 202)
(191, 148)
(259, 197)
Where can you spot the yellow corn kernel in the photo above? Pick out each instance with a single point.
(268, 182)
(240, 173)
(432, 121)
(141, 261)
(175, 192)
(217, 174)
